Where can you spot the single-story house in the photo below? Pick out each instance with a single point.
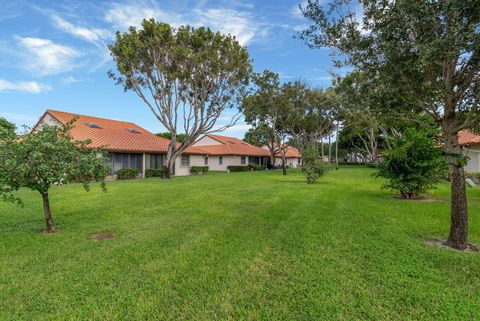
(128, 145)
(131, 146)
(293, 157)
(223, 151)
(470, 144)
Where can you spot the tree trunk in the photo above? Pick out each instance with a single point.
(284, 167)
(458, 207)
(329, 148)
(167, 167)
(48, 213)
(336, 146)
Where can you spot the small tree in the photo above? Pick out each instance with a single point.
(44, 158)
(414, 164)
(312, 167)
(186, 76)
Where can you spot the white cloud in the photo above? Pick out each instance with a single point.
(44, 57)
(122, 16)
(239, 23)
(93, 35)
(31, 87)
(229, 21)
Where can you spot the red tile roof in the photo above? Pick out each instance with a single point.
(466, 137)
(292, 152)
(232, 146)
(114, 135)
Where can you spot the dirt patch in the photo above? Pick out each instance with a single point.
(102, 236)
(443, 244)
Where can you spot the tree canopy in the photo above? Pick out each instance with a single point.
(186, 76)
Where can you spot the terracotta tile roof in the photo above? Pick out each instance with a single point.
(114, 135)
(466, 137)
(232, 146)
(292, 152)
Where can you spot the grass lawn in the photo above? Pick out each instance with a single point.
(239, 246)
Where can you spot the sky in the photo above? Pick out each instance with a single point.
(54, 55)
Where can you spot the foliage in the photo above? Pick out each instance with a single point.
(414, 165)
(7, 129)
(180, 137)
(154, 172)
(313, 168)
(188, 73)
(128, 173)
(423, 57)
(237, 168)
(47, 157)
(258, 136)
(256, 167)
(199, 170)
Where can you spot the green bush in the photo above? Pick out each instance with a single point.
(127, 173)
(312, 167)
(252, 167)
(154, 172)
(236, 168)
(199, 170)
(414, 165)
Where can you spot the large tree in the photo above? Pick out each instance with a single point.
(44, 158)
(265, 107)
(187, 77)
(426, 54)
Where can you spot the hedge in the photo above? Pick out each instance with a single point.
(199, 170)
(127, 173)
(154, 172)
(252, 167)
(236, 168)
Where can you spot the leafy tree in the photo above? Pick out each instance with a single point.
(312, 167)
(180, 137)
(7, 129)
(44, 158)
(186, 76)
(264, 108)
(426, 55)
(258, 136)
(414, 165)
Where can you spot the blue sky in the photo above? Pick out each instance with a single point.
(53, 54)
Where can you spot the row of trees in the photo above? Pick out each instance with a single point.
(420, 58)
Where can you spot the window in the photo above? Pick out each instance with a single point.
(133, 130)
(205, 160)
(299, 160)
(156, 161)
(120, 161)
(93, 125)
(220, 160)
(185, 160)
(243, 160)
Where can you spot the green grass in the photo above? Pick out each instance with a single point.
(239, 246)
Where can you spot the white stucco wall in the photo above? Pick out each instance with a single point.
(206, 141)
(195, 160)
(48, 120)
(473, 164)
(213, 163)
(291, 161)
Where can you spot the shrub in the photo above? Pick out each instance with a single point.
(252, 167)
(127, 173)
(154, 172)
(199, 170)
(414, 165)
(312, 167)
(236, 168)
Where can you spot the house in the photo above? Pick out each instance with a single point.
(470, 144)
(223, 151)
(128, 145)
(131, 146)
(293, 157)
